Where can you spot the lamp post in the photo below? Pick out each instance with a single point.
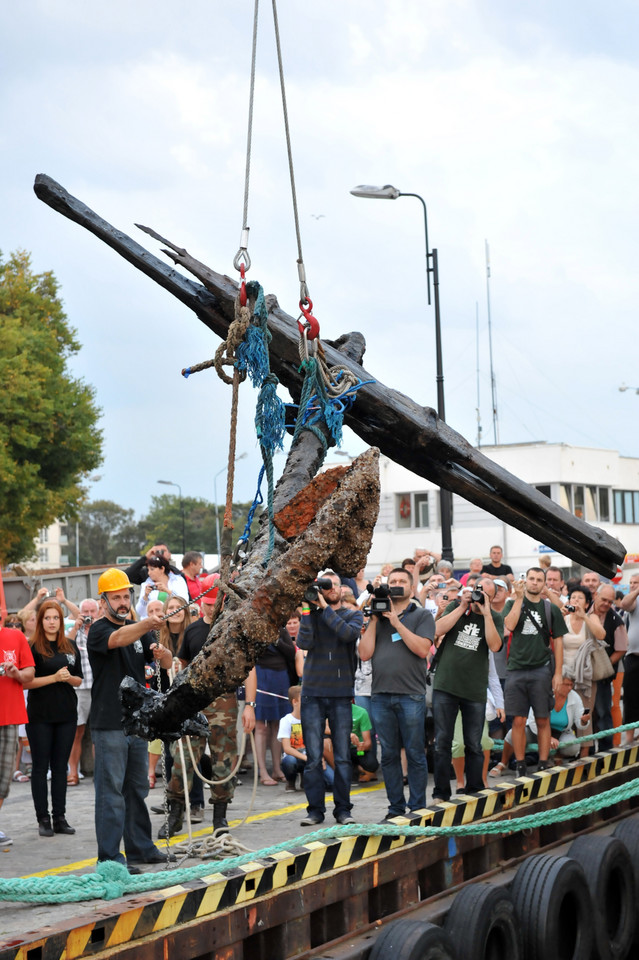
(217, 515)
(389, 192)
(169, 483)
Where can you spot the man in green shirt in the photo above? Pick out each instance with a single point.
(530, 679)
(466, 631)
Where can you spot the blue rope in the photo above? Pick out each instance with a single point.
(253, 358)
(317, 406)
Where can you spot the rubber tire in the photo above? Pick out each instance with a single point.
(611, 881)
(628, 832)
(412, 940)
(552, 903)
(482, 924)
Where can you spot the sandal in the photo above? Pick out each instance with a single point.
(497, 770)
(20, 777)
(268, 782)
(73, 780)
(151, 781)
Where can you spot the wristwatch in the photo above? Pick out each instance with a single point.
(250, 703)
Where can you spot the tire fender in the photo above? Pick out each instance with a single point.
(611, 882)
(628, 832)
(482, 923)
(552, 902)
(412, 940)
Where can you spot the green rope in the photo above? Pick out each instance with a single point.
(113, 880)
(531, 747)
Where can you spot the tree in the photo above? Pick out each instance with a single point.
(163, 522)
(49, 439)
(106, 531)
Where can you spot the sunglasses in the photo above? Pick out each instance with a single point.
(14, 624)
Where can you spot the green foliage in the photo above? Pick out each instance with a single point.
(49, 440)
(106, 531)
(163, 523)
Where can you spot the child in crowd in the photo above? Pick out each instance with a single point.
(293, 750)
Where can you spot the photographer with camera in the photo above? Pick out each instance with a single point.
(467, 630)
(398, 640)
(329, 632)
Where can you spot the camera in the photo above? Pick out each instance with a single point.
(312, 591)
(570, 608)
(2, 670)
(87, 621)
(477, 595)
(380, 601)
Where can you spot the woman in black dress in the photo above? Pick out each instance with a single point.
(52, 708)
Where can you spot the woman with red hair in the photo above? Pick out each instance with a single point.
(52, 708)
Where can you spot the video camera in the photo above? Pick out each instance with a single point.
(312, 591)
(380, 601)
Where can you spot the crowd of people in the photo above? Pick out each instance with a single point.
(356, 679)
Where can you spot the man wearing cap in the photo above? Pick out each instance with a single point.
(119, 647)
(222, 718)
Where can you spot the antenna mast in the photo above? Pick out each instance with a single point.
(477, 374)
(493, 384)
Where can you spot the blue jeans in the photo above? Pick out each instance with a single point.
(399, 721)
(121, 780)
(291, 766)
(315, 712)
(445, 709)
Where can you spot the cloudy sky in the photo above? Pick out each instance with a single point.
(517, 123)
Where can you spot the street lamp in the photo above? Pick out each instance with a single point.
(389, 192)
(169, 483)
(217, 515)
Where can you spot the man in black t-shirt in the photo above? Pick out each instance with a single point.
(119, 647)
(496, 568)
(222, 718)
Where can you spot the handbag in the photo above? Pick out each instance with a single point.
(602, 668)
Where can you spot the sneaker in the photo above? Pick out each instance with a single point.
(543, 765)
(5, 841)
(290, 786)
(311, 821)
(345, 819)
(521, 769)
(197, 814)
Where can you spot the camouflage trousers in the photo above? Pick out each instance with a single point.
(222, 740)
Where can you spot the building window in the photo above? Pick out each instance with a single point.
(43, 554)
(412, 511)
(43, 536)
(588, 503)
(544, 488)
(626, 506)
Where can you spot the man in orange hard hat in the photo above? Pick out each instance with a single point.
(119, 647)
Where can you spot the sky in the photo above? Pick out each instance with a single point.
(517, 123)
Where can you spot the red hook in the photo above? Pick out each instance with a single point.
(312, 325)
(243, 297)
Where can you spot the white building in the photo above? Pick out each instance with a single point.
(51, 547)
(601, 486)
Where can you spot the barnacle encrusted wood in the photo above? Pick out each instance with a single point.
(339, 536)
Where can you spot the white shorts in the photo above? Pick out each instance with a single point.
(84, 706)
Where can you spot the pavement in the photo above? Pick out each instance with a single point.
(259, 817)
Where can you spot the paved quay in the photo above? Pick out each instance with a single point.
(271, 814)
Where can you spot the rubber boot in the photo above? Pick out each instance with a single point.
(176, 816)
(219, 817)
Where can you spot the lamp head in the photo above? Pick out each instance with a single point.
(388, 192)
